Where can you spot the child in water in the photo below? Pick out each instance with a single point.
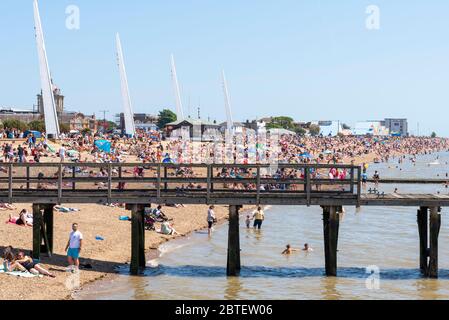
(248, 222)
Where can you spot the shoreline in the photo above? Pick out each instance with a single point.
(154, 253)
(107, 255)
(151, 254)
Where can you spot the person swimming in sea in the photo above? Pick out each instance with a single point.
(289, 250)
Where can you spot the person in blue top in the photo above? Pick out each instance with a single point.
(364, 178)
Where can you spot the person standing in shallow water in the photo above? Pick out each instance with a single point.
(211, 219)
(259, 217)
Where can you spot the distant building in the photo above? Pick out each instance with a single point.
(238, 127)
(397, 126)
(59, 102)
(147, 127)
(7, 113)
(141, 120)
(329, 128)
(194, 127)
(370, 128)
(80, 122)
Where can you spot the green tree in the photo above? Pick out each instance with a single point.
(86, 131)
(282, 122)
(433, 135)
(165, 117)
(64, 127)
(37, 125)
(300, 131)
(314, 130)
(111, 125)
(15, 124)
(345, 126)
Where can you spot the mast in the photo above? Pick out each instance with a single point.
(127, 106)
(48, 99)
(230, 122)
(179, 110)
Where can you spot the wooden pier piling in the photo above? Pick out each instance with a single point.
(234, 265)
(423, 239)
(429, 230)
(42, 230)
(331, 223)
(138, 259)
(434, 227)
(37, 236)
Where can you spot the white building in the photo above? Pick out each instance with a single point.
(370, 128)
(329, 128)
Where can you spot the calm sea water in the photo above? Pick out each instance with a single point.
(383, 239)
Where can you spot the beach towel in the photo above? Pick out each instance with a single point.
(19, 274)
(66, 210)
(14, 224)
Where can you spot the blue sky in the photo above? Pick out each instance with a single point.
(311, 59)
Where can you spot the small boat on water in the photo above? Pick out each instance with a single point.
(435, 163)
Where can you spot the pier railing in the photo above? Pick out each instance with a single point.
(177, 183)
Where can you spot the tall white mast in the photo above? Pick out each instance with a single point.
(127, 106)
(48, 99)
(230, 122)
(179, 110)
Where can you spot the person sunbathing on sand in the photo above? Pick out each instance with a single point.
(32, 267)
(9, 263)
(24, 219)
(7, 206)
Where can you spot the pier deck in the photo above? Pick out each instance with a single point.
(45, 185)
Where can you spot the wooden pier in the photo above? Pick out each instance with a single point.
(139, 185)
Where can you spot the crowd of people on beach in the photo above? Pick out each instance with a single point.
(150, 148)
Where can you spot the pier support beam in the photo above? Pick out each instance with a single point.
(435, 225)
(234, 265)
(42, 230)
(331, 224)
(138, 260)
(423, 239)
(429, 230)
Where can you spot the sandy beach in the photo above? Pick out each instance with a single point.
(104, 256)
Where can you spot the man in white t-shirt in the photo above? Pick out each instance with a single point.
(73, 248)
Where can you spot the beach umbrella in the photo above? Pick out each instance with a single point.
(328, 152)
(306, 155)
(103, 145)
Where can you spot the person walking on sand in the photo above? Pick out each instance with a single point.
(62, 153)
(73, 248)
(259, 217)
(211, 219)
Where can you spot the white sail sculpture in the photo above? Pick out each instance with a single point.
(48, 99)
(179, 110)
(230, 122)
(130, 128)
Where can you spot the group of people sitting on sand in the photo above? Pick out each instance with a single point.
(17, 260)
